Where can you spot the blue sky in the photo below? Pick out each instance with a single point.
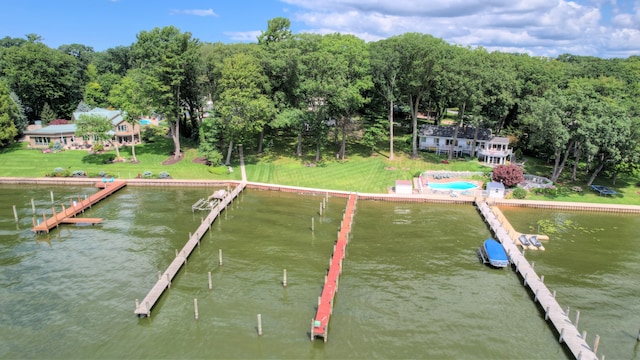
(604, 28)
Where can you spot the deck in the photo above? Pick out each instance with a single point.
(67, 215)
(567, 331)
(320, 323)
(143, 309)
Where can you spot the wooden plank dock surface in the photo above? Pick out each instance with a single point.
(77, 207)
(143, 309)
(568, 332)
(320, 324)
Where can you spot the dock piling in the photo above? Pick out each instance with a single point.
(220, 257)
(209, 276)
(542, 279)
(596, 343)
(313, 227)
(320, 212)
(561, 339)
(577, 318)
(33, 207)
(284, 278)
(260, 324)
(195, 308)
(159, 275)
(51, 193)
(15, 213)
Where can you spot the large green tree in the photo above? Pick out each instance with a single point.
(97, 128)
(9, 116)
(169, 56)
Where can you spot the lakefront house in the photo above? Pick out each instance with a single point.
(492, 150)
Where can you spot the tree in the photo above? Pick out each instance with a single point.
(9, 116)
(422, 57)
(39, 75)
(132, 96)
(168, 56)
(509, 175)
(385, 69)
(47, 114)
(243, 106)
(98, 128)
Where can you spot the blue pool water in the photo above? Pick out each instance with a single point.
(453, 185)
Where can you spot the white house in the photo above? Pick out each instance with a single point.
(490, 149)
(495, 189)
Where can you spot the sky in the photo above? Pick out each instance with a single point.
(602, 28)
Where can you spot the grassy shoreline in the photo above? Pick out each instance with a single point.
(359, 173)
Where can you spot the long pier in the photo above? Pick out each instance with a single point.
(76, 207)
(320, 324)
(143, 309)
(568, 332)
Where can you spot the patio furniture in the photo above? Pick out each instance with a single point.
(603, 190)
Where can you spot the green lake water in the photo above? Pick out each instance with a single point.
(412, 285)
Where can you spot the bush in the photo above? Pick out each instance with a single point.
(519, 193)
(60, 172)
(98, 147)
(152, 133)
(147, 174)
(78, 173)
(509, 175)
(103, 174)
(550, 191)
(164, 175)
(57, 147)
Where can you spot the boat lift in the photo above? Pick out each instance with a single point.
(210, 202)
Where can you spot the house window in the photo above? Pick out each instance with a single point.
(41, 141)
(436, 141)
(122, 127)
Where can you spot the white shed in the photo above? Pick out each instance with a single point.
(495, 189)
(404, 187)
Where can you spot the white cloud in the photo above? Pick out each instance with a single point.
(537, 27)
(196, 12)
(244, 36)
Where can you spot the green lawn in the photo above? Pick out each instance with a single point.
(359, 172)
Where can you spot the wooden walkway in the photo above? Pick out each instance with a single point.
(320, 325)
(568, 332)
(143, 309)
(76, 207)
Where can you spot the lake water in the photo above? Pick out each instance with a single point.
(412, 286)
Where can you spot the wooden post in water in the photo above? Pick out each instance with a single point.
(195, 308)
(51, 193)
(159, 275)
(542, 279)
(260, 324)
(209, 276)
(546, 314)
(321, 209)
(568, 311)
(284, 278)
(220, 257)
(561, 339)
(176, 252)
(168, 280)
(137, 304)
(311, 332)
(577, 318)
(15, 213)
(554, 294)
(596, 343)
(313, 227)
(33, 206)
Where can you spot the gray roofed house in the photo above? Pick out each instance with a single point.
(41, 138)
(490, 149)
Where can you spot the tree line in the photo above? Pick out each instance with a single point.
(580, 113)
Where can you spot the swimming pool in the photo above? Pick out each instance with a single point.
(453, 185)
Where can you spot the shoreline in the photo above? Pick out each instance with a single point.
(426, 198)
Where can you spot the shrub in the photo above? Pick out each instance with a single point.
(164, 175)
(103, 174)
(78, 173)
(57, 146)
(152, 133)
(98, 147)
(519, 193)
(509, 175)
(147, 174)
(60, 172)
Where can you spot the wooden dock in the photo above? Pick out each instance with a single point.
(320, 324)
(67, 215)
(567, 331)
(143, 309)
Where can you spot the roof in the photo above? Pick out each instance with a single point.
(466, 132)
(404, 182)
(495, 185)
(115, 116)
(53, 130)
(500, 140)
